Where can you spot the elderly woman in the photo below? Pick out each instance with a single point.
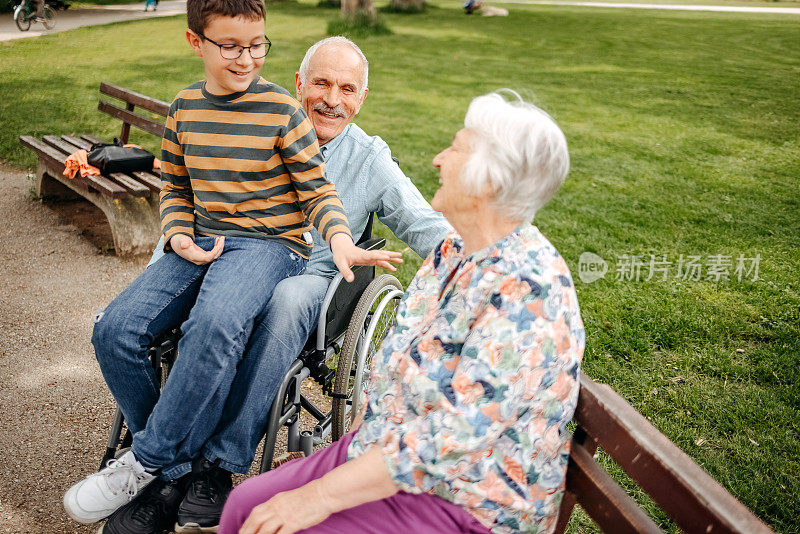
(465, 413)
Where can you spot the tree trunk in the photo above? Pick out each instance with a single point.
(352, 9)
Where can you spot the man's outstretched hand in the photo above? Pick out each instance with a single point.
(185, 247)
(346, 255)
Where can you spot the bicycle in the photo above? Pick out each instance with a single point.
(25, 14)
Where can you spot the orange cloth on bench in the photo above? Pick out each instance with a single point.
(77, 162)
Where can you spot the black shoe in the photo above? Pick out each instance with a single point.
(209, 487)
(152, 512)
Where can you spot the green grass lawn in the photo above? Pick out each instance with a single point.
(685, 140)
(745, 3)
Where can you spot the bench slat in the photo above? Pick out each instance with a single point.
(155, 128)
(59, 144)
(605, 502)
(134, 188)
(92, 139)
(689, 495)
(52, 157)
(55, 159)
(77, 142)
(150, 180)
(137, 99)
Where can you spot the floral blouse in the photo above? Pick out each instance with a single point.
(471, 391)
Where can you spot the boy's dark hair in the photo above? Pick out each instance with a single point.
(200, 12)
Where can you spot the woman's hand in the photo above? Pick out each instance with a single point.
(289, 511)
(355, 482)
(346, 254)
(185, 247)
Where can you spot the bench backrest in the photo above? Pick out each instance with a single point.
(133, 99)
(680, 487)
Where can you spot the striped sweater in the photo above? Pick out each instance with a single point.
(245, 165)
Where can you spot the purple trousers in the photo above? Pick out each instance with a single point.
(402, 512)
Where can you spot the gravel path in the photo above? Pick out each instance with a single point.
(54, 406)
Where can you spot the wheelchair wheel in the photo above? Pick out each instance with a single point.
(49, 20)
(373, 317)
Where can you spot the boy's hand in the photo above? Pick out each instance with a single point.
(185, 247)
(346, 254)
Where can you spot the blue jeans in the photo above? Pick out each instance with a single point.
(280, 332)
(215, 305)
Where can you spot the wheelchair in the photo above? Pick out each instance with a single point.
(353, 322)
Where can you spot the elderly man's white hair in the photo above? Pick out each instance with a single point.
(518, 153)
(338, 39)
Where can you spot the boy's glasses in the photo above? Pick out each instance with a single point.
(232, 51)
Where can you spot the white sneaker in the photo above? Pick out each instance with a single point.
(100, 494)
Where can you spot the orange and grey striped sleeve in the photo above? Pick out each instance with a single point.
(316, 195)
(176, 199)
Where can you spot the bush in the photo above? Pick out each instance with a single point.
(405, 7)
(358, 25)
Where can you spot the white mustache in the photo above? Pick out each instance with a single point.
(322, 107)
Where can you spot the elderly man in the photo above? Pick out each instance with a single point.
(331, 86)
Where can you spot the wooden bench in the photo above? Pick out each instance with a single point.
(680, 487)
(129, 201)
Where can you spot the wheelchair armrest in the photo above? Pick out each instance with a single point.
(373, 243)
(323, 314)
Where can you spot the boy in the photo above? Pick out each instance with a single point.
(242, 173)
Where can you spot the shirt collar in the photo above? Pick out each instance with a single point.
(331, 145)
(231, 96)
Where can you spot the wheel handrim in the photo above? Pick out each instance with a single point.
(377, 324)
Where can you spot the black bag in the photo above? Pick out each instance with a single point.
(113, 157)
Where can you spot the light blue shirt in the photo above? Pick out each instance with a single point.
(369, 181)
